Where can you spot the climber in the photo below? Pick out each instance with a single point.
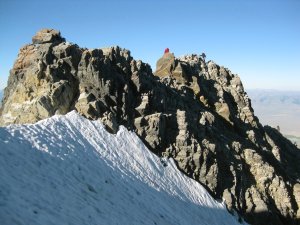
(167, 50)
(163, 161)
(203, 56)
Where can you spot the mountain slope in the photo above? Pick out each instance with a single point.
(189, 109)
(1, 96)
(69, 170)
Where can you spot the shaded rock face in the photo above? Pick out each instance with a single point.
(192, 111)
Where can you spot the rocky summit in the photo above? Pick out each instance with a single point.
(194, 111)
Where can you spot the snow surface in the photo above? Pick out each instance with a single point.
(69, 170)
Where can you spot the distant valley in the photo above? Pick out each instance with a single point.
(278, 108)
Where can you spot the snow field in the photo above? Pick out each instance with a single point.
(70, 170)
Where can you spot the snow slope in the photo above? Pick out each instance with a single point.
(69, 170)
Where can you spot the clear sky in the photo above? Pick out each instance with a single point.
(257, 39)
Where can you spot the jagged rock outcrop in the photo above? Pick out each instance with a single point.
(194, 111)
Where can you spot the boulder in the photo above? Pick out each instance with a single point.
(47, 36)
(165, 65)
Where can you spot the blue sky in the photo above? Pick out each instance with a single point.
(257, 39)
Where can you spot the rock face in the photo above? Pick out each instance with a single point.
(190, 110)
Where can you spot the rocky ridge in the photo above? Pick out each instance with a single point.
(194, 111)
(1, 96)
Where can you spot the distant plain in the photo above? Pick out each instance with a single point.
(278, 108)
